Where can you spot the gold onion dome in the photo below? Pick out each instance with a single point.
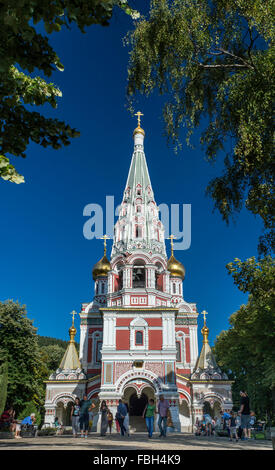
(103, 266)
(175, 267)
(138, 130)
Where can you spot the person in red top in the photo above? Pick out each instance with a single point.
(7, 419)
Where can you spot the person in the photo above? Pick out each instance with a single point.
(225, 418)
(208, 424)
(58, 426)
(251, 423)
(163, 406)
(233, 426)
(148, 414)
(6, 420)
(120, 415)
(104, 418)
(29, 420)
(75, 411)
(126, 419)
(85, 406)
(238, 425)
(117, 425)
(245, 414)
(110, 420)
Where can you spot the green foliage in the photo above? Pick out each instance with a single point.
(246, 351)
(49, 341)
(24, 49)
(19, 347)
(213, 60)
(52, 356)
(30, 408)
(3, 385)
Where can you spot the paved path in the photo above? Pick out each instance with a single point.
(138, 441)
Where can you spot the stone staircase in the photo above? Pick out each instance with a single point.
(137, 424)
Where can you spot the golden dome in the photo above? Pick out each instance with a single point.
(138, 130)
(175, 267)
(101, 268)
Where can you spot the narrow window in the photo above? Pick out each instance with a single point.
(139, 338)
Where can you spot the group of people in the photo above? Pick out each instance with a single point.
(237, 424)
(81, 419)
(10, 424)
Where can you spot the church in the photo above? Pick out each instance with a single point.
(138, 335)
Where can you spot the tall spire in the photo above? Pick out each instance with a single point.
(70, 360)
(206, 360)
(138, 226)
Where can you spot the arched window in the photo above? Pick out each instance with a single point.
(174, 288)
(138, 208)
(139, 274)
(139, 338)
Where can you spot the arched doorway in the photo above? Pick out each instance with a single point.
(137, 403)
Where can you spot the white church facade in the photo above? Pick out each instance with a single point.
(138, 335)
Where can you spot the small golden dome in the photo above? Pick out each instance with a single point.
(101, 268)
(138, 130)
(175, 267)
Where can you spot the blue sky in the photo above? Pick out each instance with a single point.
(46, 263)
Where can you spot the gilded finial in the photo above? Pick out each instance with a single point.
(138, 114)
(105, 237)
(205, 330)
(172, 238)
(72, 330)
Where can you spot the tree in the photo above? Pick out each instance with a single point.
(3, 385)
(246, 351)
(52, 356)
(213, 60)
(23, 48)
(19, 348)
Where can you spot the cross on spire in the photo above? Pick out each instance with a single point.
(172, 238)
(138, 114)
(204, 313)
(105, 237)
(73, 313)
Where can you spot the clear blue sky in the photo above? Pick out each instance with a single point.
(46, 262)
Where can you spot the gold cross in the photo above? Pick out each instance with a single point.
(171, 238)
(138, 114)
(204, 313)
(105, 237)
(73, 313)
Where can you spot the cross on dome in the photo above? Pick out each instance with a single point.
(138, 114)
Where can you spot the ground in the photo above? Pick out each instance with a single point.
(137, 441)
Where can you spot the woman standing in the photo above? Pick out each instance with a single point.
(75, 416)
(104, 418)
(148, 414)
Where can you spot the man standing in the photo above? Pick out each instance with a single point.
(120, 416)
(245, 413)
(163, 406)
(85, 406)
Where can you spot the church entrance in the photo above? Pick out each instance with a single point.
(136, 406)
